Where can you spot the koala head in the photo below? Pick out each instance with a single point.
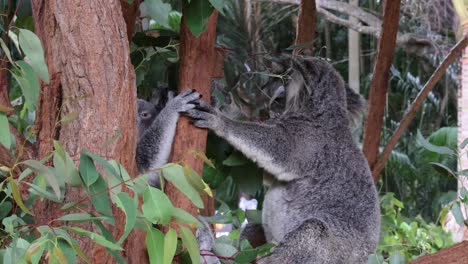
(147, 112)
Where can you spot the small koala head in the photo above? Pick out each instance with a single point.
(147, 112)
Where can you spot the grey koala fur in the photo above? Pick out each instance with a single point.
(322, 206)
(156, 130)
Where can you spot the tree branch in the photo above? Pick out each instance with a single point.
(306, 26)
(379, 84)
(413, 109)
(368, 24)
(453, 255)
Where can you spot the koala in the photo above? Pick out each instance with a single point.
(322, 205)
(156, 130)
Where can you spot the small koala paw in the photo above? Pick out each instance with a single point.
(184, 101)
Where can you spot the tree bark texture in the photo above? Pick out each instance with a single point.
(379, 84)
(453, 255)
(130, 13)
(196, 70)
(305, 30)
(87, 53)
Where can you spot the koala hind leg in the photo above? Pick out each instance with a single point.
(311, 243)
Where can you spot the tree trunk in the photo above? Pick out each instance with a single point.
(379, 84)
(130, 13)
(87, 52)
(353, 54)
(196, 71)
(306, 27)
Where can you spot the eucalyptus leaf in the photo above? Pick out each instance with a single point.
(129, 207)
(32, 48)
(157, 207)
(94, 237)
(39, 168)
(5, 135)
(190, 242)
(155, 245)
(27, 80)
(170, 246)
(175, 174)
(196, 15)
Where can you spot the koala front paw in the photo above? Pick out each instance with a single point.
(204, 117)
(184, 101)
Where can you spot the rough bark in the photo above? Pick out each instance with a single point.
(196, 71)
(305, 30)
(87, 52)
(130, 13)
(453, 255)
(416, 105)
(379, 84)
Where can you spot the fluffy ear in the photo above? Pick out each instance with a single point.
(159, 97)
(356, 104)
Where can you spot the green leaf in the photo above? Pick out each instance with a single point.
(157, 208)
(5, 135)
(16, 195)
(29, 84)
(88, 171)
(67, 250)
(182, 216)
(218, 4)
(129, 207)
(235, 159)
(39, 168)
(194, 179)
(5, 209)
(254, 216)
(246, 256)
(442, 169)
(41, 192)
(433, 148)
(170, 245)
(32, 48)
(6, 50)
(457, 214)
(224, 250)
(107, 165)
(190, 242)
(158, 11)
(80, 253)
(94, 237)
(99, 197)
(155, 245)
(81, 217)
(65, 166)
(196, 15)
(174, 20)
(175, 174)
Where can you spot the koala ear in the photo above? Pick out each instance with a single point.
(159, 96)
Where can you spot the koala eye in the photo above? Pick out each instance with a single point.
(145, 115)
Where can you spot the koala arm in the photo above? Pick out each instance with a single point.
(265, 143)
(155, 144)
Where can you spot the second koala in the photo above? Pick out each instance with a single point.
(156, 130)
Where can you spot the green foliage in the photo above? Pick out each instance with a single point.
(403, 239)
